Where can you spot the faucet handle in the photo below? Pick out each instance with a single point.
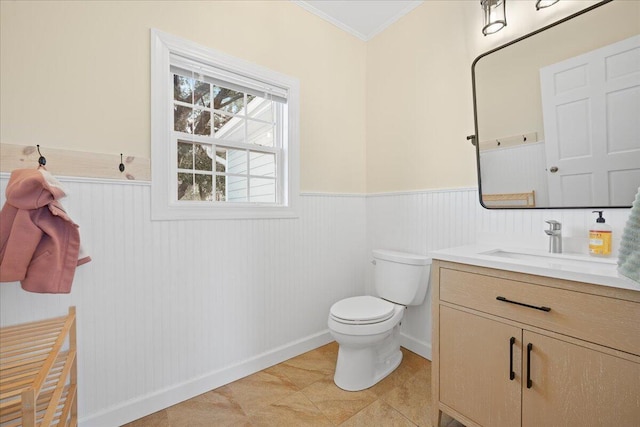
(554, 225)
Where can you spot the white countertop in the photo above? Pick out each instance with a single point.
(576, 267)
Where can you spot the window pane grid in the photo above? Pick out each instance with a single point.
(190, 105)
(237, 175)
(199, 139)
(199, 188)
(191, 92)
(195, 187)
(241, 169)
(226, 114)
(208, 173)
(240, 175)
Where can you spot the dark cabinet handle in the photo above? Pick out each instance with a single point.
(542, 308)
(512, 374)
(529, 382)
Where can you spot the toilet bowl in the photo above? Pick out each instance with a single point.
(369, 349)
(367, 328)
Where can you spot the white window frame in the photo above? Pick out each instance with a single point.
(164, 205)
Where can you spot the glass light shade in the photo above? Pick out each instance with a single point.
(541, 4)
(495, 17)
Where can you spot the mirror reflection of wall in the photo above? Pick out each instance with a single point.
(510, 123)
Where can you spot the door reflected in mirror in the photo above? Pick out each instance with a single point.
(557, 113)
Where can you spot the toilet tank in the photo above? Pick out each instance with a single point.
(401, 277)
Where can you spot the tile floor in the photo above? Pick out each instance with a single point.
(301, 392)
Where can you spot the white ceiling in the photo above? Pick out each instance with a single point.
(361, 18)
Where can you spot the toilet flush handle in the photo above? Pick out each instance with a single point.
(373, 262)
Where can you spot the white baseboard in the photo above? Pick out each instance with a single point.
(421, 348)
(148, 404)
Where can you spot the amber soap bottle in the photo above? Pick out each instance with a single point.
(600, 237)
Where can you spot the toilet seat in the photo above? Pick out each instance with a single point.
(362, 310)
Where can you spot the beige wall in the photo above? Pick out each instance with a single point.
(391, 114)
(419, 94)
(75, 75)
(419, 108)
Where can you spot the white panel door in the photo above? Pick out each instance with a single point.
(591, 112)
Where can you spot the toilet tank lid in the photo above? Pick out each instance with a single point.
(401, 257)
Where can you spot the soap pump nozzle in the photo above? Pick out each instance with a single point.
(600, 218)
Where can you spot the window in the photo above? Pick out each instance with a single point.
(224, 135)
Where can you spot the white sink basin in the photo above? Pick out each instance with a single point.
(569, 266)
(549, 259)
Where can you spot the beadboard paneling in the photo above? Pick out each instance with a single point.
(424, 221)
(420, 222)
(170, 309)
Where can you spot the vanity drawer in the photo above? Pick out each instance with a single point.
(607, 321)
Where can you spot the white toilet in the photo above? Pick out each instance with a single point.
(367, 328)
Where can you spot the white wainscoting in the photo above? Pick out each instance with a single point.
(170, 309)
(420, 222)
(424, 221)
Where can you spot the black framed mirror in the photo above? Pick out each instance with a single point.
(557, 113)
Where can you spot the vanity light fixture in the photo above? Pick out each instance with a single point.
(541, 4)
(495, 17)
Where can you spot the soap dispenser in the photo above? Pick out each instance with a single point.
(600, 237)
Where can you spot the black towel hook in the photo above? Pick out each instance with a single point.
(121, 167)
(41, 160)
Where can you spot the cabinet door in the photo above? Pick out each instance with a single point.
(577, 386)
(476, 361)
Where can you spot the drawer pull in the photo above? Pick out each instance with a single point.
(542, 308)
(529, 382)
(512, 374)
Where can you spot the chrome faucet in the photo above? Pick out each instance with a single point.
(555, 236)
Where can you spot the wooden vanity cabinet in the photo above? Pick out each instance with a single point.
(473, 370)
(569, 357)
